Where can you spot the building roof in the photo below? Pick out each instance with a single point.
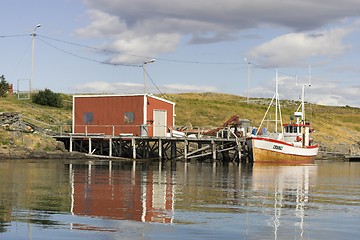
(122, 95)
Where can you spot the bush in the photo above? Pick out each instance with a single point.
(48, 98)
(4, 86)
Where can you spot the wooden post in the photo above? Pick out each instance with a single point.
(213, 149)
(160, 148)
(71, 144)
(185, 148)
(133, 144)
(90, 146)
(239, 147)
(110, 147)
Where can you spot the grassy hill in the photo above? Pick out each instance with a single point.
(336, 127)
(22, 143)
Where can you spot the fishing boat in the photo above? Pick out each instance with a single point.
(292, 145)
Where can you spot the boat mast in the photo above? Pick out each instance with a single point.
(277, 110)
(276, 101)
(278, 116)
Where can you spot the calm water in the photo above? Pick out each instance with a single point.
(57, 199)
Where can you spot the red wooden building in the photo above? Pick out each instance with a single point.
(138, 114)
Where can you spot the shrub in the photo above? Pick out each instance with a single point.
(48, 98)
(4, 86)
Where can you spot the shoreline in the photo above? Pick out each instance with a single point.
(59, 154)
(42, 155)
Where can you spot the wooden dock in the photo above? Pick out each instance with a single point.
(168, 148)
(352, 158)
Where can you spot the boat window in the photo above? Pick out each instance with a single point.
(286, 129)
(295, 129)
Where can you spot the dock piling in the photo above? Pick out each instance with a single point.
(167, 148)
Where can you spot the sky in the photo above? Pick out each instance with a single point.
(223, 46)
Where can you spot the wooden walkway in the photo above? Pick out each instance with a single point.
(226, 149)
(352, 158)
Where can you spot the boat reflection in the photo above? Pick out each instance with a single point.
(134, 194)
(290, 186)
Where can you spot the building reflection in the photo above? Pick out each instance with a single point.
(126, 191)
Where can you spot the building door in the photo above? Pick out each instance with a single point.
(160, 123)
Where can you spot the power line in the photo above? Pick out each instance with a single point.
(162, 94)
(86, 58)
(142, 56)
(77, 44)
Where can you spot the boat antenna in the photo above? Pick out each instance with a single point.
(303, 95)
(303, 103)
(309, 75)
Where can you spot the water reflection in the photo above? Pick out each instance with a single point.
(148, 192)
(192, 199)
(122, 191)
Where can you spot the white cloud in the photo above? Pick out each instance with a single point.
(332, 95)
(320, 92)
(102, 24)
(127, 88)
(149, 45)
(106, 87)
(296, 48)
(149, 28)
(188, 88)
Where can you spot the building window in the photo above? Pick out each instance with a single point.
(129, 117)
(88, 117)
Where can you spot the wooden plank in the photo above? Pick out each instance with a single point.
(226, 149)
(353, 158)
(200, 155)
(199, 150)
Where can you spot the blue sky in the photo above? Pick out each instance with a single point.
(99, 46)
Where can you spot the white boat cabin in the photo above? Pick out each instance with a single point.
(297, 133)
